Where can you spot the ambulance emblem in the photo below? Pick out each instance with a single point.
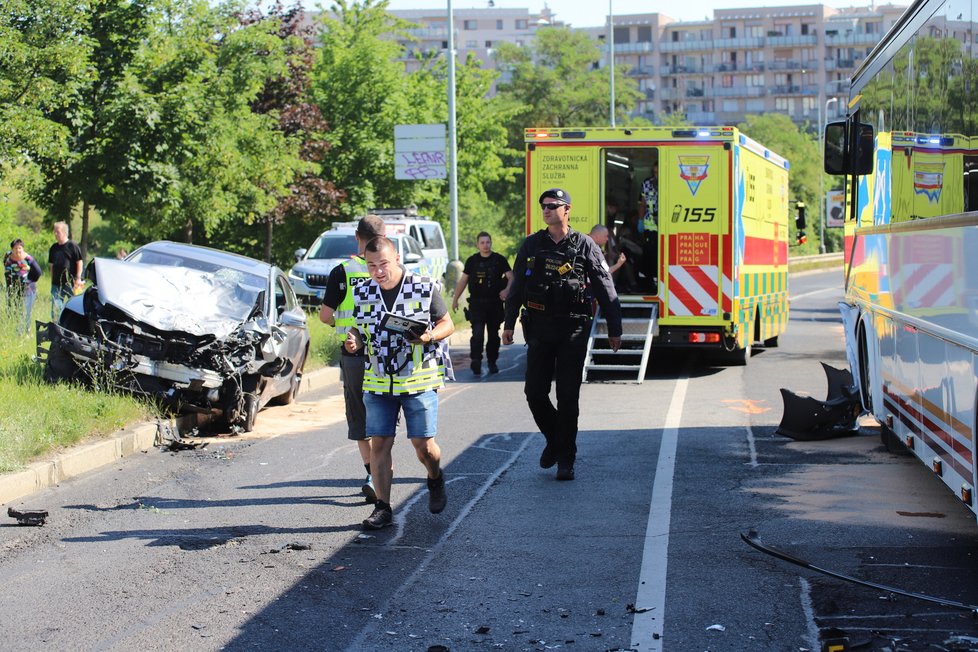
(693, 170)
(928, 180)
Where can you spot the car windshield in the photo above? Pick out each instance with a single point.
(150, 257)
(333, 247)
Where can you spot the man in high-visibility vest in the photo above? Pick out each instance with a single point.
(337, 310)
(400, 322)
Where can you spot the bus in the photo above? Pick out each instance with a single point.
(906, 153)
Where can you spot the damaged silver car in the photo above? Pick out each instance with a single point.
(197, 329)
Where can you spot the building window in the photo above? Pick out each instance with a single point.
(488, 44)
(470, 24)
(755, 31)
(471, 45)
(731, 106)
(675, 37)
(731, 32)
(499, 24)
(622, 35)
(644, 34)
(521, 23)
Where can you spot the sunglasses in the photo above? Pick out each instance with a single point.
(551, 206)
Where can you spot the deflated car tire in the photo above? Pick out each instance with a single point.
(245, 419)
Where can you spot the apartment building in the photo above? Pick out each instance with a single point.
(477, 31)
(792, 60)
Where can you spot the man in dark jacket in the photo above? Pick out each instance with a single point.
(487, 275)
(556, 274)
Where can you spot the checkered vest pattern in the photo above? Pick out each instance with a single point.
(394, 366)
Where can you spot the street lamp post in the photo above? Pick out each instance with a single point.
(611, 59)
(823, 205)
(452, 137)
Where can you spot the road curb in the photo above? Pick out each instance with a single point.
(135, 438)
(76, 461)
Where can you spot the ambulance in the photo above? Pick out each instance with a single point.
(712, 266)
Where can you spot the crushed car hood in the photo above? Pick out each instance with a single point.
(176, 298)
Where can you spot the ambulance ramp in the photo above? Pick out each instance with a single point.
(640, 324)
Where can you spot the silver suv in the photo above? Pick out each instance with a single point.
(308, 276)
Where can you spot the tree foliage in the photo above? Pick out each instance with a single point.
(554, 82)
(44, 58)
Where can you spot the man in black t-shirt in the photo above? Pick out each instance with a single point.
(488, 276)
(337, 311)
(65, 259)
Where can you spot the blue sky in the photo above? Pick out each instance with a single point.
(590, 13)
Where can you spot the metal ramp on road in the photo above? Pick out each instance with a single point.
(640, 324)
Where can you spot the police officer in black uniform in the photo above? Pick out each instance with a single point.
(487, 276)
(556, 274)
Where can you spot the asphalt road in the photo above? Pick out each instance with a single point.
(255, 543)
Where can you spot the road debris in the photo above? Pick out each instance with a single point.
(28, 516)
(716, 628)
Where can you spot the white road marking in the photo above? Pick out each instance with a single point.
(806, 606)
(795, 297)
(751, 446)
(650, 601)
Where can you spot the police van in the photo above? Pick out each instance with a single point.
(423, 229)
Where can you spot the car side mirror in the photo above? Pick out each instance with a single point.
(294, 317)
(412, 258)
(299, 253)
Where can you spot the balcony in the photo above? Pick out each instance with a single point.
(792, 41)
(786, 65)
(738, 91)
(423, 33)
(695, 92)
(702, 118)
(851, 39)
(630, 48)
(643, 71)
(738, 43)
(684, 46)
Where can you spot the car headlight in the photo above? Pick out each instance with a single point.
(297, 275)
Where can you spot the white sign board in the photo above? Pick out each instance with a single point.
(835, 209)
(419, 152)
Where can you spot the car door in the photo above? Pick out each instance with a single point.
(290, 331)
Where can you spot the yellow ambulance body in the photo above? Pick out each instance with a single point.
(721, 249)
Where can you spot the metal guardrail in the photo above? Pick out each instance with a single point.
(818, 260)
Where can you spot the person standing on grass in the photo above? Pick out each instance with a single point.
(337, 310)
(488, 276)
(21, 272)
(65, 259)
(405, 370)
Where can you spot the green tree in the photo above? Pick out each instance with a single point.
(362, 90)
(44, 55)
(114, 30)
(194, 158)
(552, 82)
(300, 213)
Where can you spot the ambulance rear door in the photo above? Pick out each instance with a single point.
(694, 228)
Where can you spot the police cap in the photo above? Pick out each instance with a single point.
(556, 193)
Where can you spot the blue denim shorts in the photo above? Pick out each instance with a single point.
(420, 413)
